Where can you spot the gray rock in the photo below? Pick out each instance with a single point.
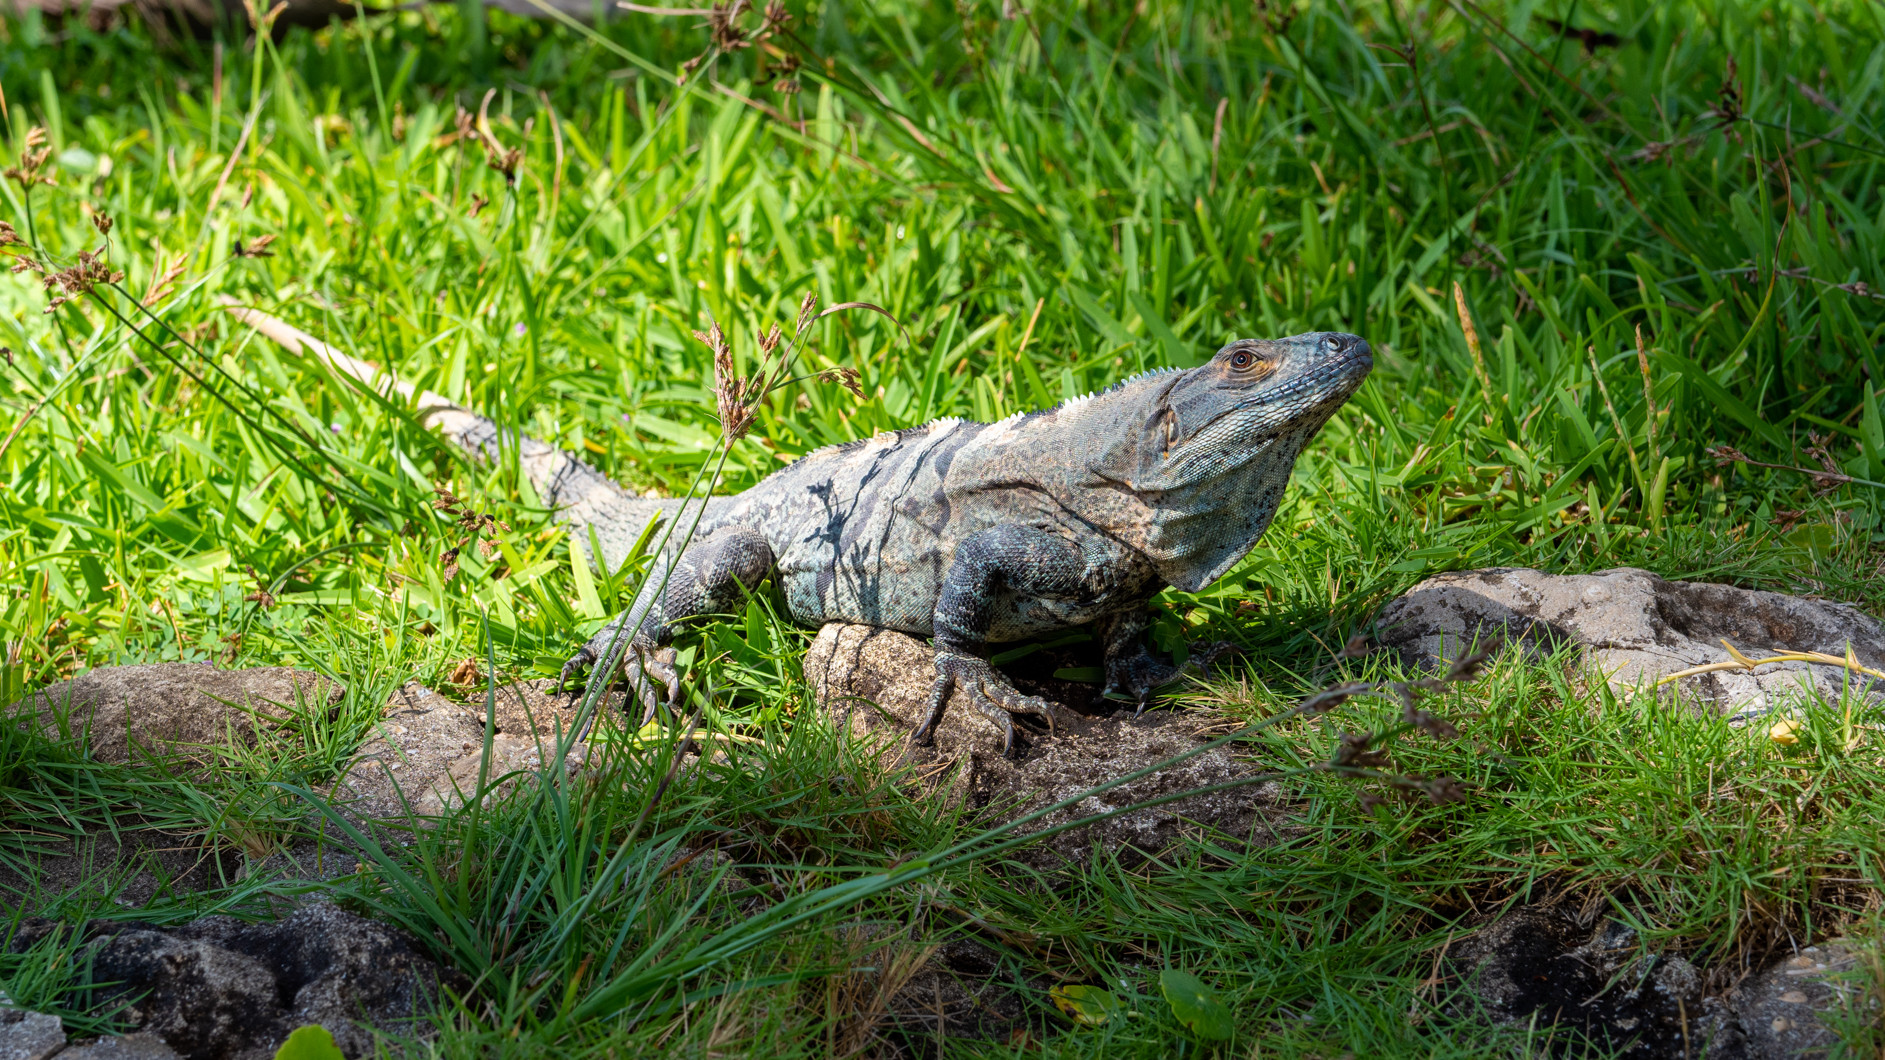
(421, 737)
(876, 683)
(1547, 966)
(1636, 627)
(428, 753)
(223, 989)
(187, 709)
(139, 1046)
(1781, 1009)
(29, 1035)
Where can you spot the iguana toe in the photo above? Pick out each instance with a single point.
(988, 691)
(574, 665)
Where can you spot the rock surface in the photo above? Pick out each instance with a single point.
(431, 750)
(1637, 627)
(223, 989)
(877, 683)
(1551, 966)
(29, 1035)
(1781, 1009)
(187, 709)
(139, 1046)
(1547, 966)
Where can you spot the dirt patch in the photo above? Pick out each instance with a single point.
(876, 682)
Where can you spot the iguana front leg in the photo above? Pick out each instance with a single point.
(1027, 563)
(709, 578)
(1133, 672)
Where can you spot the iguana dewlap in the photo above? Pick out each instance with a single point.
(971, 533)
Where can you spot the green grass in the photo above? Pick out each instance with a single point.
(1047, 204)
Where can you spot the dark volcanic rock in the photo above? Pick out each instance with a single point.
(961, 991)
(877, 683)
(223, 989)
(139, 1046)
(1548, 967)
(1636, 627)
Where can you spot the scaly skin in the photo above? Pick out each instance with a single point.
(973, 534)
(978, 534)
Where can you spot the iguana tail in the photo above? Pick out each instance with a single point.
(585, 499)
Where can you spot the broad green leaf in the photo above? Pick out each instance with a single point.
(591, 604)
(1091, 1005)
(1195, 1005)
(311, 1042)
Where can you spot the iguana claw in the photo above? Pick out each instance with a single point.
(641, 666)
(988, 691)
(571, 667)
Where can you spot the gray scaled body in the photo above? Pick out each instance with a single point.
(982, 533)
(970, 533)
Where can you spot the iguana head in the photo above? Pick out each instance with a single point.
(1239, 405)
(1189, 467)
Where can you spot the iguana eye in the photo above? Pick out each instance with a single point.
(1241, 359)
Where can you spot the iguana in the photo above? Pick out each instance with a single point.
(971, 533)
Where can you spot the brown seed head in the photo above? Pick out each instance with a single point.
(465, 128)
(8, 235)
(723, 25)
(732, 393)
(256, 248)
(807, 312)
(847, 378)
(102, 222)
(1354, 751)
(1466, 667)
(90, 271)
(1432, 724)
(1334, 696)
(1443, 790)
(163, 280)
(32, 161)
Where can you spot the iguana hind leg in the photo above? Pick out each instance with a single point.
(1018, 563)
(711, 577)
(1133, 673)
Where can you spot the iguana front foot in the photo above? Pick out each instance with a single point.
(641, 665)
(1136, 677)
(988, 691)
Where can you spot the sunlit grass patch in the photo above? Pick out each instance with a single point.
(1586, 263)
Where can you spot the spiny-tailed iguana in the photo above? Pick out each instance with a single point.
(971, 533)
